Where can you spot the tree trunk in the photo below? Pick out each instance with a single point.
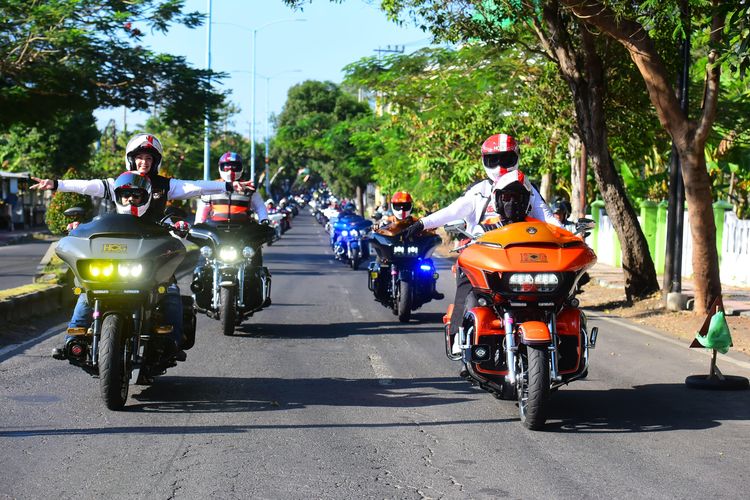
(584, 74)
(577, 205)
(545, 188)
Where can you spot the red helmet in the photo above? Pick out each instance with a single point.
(401, 204)
(500, 154)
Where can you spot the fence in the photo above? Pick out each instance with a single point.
(733, 240)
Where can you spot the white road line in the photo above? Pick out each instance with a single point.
(16, 348)
(381, 372)
(355, 313)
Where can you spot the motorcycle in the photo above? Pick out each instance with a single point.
(124, 265)
(523, 335)
(349, 239)
(404, 277)
(230, 284)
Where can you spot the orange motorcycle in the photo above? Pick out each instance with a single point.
(522, 334)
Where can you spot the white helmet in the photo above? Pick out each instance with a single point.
(230, 166)
(143, 143)
(511, 195)
(132, 194)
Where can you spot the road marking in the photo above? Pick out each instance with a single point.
(356, 314)
(381, 372)
(660, 336)
(11, 350)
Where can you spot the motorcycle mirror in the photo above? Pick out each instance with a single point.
(458, 228)
(583, 225)
(75, 212)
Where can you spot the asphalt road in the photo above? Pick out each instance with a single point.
(18, 263)
(325, 395)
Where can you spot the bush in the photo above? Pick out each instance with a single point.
(56, 221)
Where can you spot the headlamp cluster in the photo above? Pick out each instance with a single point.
(111, 270)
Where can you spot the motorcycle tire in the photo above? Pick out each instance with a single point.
(533, 387)
(404, 301)
(354, 262)
(227, 311)
(113, 379)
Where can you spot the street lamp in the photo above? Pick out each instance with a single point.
(252, 105)
(265, 156)
(206, 131)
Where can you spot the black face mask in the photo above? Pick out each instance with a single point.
(511, 206)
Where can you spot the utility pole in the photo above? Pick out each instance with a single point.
(397, 49)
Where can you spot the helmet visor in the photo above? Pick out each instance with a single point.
(505, 159)
(402, 206)
(231, 166)
(135, 197)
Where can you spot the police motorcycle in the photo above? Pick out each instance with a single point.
(230, 283)
(124, 265)
(349, 239)
(404, 277)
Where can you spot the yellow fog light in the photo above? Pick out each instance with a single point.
(374, 274)
(108, 270)
(95, 270)
(162, 289)
(77, 291)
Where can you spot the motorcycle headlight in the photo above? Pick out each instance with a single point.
(412, 250)
(206, 252)
(398, 250)
(527, 282)
(344, 233)
(129, 269)
(228, 254)
(354, 233)
(248, 252)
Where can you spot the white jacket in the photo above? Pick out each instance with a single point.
(178, 189)
(476, 205)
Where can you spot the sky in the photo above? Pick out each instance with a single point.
(288, 52)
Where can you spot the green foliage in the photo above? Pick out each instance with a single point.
(55, 219)
(77, 55)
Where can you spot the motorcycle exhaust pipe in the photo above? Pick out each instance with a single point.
(510, 349)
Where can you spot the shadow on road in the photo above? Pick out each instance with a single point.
(422, 323)
(645, 408)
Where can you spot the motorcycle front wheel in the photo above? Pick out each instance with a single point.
(404, 301)
(227, 311)
(533, 386)
(113, 376)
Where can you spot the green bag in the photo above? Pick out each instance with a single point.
(718, 336)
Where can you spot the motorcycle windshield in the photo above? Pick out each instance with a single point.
(390, 247)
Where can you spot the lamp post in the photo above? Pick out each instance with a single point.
(206, 135)
(266, 178)
(252, 105)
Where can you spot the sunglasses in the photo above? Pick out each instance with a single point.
(505, 159)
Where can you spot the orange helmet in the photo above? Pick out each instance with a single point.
(401, 204)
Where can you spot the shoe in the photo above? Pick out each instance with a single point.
(437, 295)
(464, 373)
(266, 302)
(180, 356)
(59, 353)
(455, 348)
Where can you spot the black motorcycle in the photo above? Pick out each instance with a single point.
(124, 265)
(230, 283)
(404, 277)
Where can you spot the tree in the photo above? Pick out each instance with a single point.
(78, 55)
(631, 26)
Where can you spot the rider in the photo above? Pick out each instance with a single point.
(401, 207)
(143, 154)
(231, 206)
(500, 155)
(561, 210)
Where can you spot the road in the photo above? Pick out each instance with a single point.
(325, 395)
(18, 263)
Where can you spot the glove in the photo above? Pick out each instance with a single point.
(243, 186)
(265, 222)
(72, 226)
(412, 230)
(181, 228)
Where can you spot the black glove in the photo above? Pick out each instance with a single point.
(412, 230)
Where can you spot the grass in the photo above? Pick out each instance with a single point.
(21, 290)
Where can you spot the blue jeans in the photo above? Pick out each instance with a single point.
(171, 303)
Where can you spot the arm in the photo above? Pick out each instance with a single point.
(182, 190)
(258, 206)
(202, 211)
(462, 208)
(540, 210)
(95, 187)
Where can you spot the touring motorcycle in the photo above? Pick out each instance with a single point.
(523, 334)
(124, 265)
(404, 277)
(230, 283)
(349, 239)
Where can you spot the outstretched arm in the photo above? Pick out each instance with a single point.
(182, 190)
(96, 187)
(540, 210)
(259, 207)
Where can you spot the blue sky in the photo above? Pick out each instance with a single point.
(289, 52)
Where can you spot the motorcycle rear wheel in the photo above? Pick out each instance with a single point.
(113, 376)
(355, 262)
(404, 301)
(533, 387)
(227, 311)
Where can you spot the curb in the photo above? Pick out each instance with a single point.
(20, 307)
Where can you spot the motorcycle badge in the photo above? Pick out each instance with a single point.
(114, 248)
(531, 230)
(533, 257)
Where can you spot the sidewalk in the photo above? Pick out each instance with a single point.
(736, 299)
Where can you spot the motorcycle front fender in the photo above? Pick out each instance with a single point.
(534, 333)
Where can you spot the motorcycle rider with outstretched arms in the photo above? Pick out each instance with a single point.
(143, 155)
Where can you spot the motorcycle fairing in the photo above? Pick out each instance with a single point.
(534, 333)
(488, 330)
